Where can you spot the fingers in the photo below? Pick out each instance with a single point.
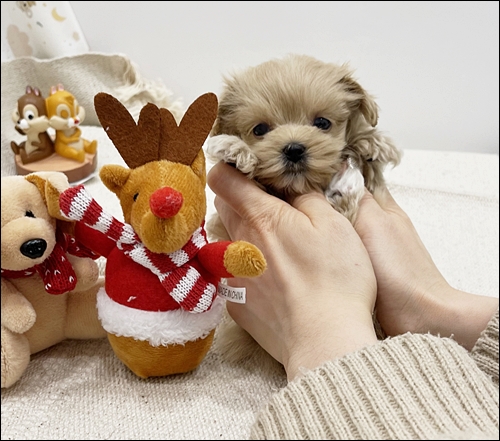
(380, 199)
(229, 184)
(314, 205)
(228, 216)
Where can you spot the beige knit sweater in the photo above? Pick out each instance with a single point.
(412, 386)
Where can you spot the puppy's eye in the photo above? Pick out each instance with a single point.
(29, 213)
(322, 123)
(261, 129)
(136, 196)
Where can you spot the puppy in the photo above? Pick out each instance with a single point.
(295, 124)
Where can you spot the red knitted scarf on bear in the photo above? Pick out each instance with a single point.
(56, 270)
(180, 279)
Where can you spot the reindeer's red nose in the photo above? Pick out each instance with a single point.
(166, 202)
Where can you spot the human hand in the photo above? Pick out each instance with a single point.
(413, 296)
(316, 299)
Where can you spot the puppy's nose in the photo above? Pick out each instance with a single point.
(33, 248)
(294, 151)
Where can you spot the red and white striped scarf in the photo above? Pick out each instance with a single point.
(180, 279)
(56, 270)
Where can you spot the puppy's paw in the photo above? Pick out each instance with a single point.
(345, 191)
(376, 147)
(233, 150)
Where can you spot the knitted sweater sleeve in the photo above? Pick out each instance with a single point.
(414, 386)
(485, 351)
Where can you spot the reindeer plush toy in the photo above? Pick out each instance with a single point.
(159, 306)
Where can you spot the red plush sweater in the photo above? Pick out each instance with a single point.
(137, 278)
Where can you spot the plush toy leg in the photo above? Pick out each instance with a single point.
(146, 361)
(82, 321)
(15, 356)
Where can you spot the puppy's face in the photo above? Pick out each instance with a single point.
(295, 116)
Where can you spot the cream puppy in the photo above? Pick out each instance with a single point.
(297, 123)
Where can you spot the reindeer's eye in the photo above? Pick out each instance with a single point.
(322, 123)
(136, 196)
(29, 213)
(261, 129)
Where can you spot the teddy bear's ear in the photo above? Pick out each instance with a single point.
(50, 185)
(39, 183)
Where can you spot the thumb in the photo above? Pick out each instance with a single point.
(314, 205)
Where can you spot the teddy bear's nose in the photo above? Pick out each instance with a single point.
(166, 202)
(33, 248)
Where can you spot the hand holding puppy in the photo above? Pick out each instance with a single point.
(315, 301)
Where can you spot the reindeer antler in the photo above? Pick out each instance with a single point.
(156, 135)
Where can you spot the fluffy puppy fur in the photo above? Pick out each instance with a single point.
(294, 124)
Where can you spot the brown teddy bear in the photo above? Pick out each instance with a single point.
(49, 281)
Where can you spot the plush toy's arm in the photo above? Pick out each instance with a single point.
(86, 270)
(18, 315)
(77, 205)
(232, 259)
(211, 256)
(93, 239)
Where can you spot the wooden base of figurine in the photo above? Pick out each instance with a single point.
(75, 171)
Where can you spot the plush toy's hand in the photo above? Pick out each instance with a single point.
(243, 259)
(232, 259)
(18, 315)
(86, 270)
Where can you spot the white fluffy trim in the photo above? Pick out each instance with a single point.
(158, 328)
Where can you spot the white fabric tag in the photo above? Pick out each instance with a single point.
(236, 295)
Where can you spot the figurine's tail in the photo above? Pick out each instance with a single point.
(14, 147)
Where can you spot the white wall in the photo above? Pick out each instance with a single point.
(432, 65)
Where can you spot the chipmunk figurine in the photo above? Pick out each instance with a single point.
(31, 120)
(65, 115)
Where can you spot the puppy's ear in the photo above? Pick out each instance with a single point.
(224, 123)
(365, 142)
(217, 128)
(361, 100)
